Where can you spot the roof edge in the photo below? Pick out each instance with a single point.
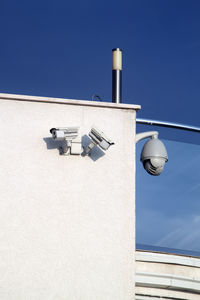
(15, 97)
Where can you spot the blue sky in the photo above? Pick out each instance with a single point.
(64, 49)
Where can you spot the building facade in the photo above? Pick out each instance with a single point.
(67, 223)
(167, 276)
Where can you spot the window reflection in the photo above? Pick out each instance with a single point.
(168, 206)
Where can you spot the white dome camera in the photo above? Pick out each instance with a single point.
(154, 154)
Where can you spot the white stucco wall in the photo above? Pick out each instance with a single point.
(66, 223)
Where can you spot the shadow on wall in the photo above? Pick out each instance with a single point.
(52, 144)
(94, 155)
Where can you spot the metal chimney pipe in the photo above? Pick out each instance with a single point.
(117, 75)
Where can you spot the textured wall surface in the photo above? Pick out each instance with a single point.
(66, 223)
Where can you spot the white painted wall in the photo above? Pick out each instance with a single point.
(67, 224)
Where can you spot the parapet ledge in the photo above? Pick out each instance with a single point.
(14, 97)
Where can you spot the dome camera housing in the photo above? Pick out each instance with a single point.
(154, 156)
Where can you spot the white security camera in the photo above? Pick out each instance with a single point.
(99, 139)
(70, 135)
(154, 156)
(64, 133)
